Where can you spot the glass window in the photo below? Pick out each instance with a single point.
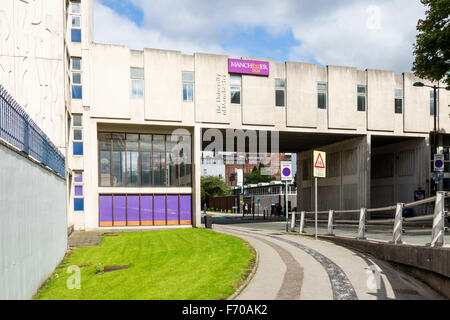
(76, 35)
(322, 95)
(78, 204)
(132, 159)
(361, 90)
(159, 160)
(146, 160)
(76, 78)
(76, 64)
(118, 155)
(75, 7)
(188, 86)
(78, 148)
(77, 120)
(137, 83)
(398, 101)
(77, 134)
(77, 92)
(280, 85)
(105, 159)
(235, 89)
(172, 160)
(185, 161)
(76, 21)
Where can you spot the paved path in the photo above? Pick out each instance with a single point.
(298, 268)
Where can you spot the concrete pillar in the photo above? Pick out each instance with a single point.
(196, 174)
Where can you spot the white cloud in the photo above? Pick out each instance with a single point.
(361, 33)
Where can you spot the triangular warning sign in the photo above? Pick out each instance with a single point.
(319, 162)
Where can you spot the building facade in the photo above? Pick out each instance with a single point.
(133, 123)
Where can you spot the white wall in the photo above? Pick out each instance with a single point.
(33, 224)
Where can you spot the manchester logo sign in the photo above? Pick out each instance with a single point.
(253, 67)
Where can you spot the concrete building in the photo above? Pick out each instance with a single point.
(133, 124)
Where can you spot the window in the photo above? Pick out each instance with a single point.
(137, 83)
(398, 101)
(77, 125)
(322, 95)
(280, 89)
(144, 160)
(432, 103)
(75, 21)
(77, 89)
(361, 91)
(235, 89)
(188, 86)
(78, 191)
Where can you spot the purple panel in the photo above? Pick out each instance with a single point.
(172, 208)
(133, 210)
(78, 190)
(146, 208)
(160, 210)
(120, 213)
(260, 68)
(78, 177)
(105, 209)
(185, 208)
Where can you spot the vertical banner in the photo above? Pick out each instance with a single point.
(185, 209)
(133, 210)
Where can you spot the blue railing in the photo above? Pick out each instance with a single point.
(19, 130)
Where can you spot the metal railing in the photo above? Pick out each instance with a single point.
(19, 130)
(437, 219)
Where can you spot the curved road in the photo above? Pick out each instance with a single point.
(292, 267)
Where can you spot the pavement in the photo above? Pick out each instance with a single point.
(294, 267)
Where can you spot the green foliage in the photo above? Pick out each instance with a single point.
(212, 186)
(255, 176)
(169, 265)
(432, 48)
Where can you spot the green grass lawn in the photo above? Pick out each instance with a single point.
(174, 264)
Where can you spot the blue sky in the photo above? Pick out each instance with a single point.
(362, 33)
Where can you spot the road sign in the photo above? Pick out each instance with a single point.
(439, 163)
(320, 164)
(286, 171)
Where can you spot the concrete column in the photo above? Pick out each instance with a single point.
(365, 174)
(196, 173)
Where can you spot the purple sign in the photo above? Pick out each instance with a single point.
(260, 68)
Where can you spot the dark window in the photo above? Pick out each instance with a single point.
(76, 35)
(235, 89)
(146, 160)
(361, 98)
(105, 159)
(398, 101)
(118, 141)
(78, 148)
(322, 95)
(77, 92)
(172, 160)
(132, 159)
(159, 160)
(280, 86)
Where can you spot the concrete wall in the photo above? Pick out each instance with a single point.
(32, 61)
(33, 224)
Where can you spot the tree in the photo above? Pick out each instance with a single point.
(432, 48)
(212, 186)
(256, 177)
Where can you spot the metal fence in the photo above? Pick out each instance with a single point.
(437, 219)
(18, 129)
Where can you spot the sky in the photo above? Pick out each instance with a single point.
(367, 34)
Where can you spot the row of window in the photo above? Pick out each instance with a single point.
(77, 126)
(77, 88)
(144, 160)
(75, 21)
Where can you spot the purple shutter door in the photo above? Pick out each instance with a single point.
(172, 210)
(133, 210)
(147, 210)
(185, 209)
(120, 213)
(160, 210)
(105, 211)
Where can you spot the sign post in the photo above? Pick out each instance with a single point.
(286, 176)
(439, 164)
(319, 168)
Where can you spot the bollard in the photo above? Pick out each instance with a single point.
(302, 222)
(362, 224)
(330, 223)
(438, 231)
(398, 225)
(293, 221)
